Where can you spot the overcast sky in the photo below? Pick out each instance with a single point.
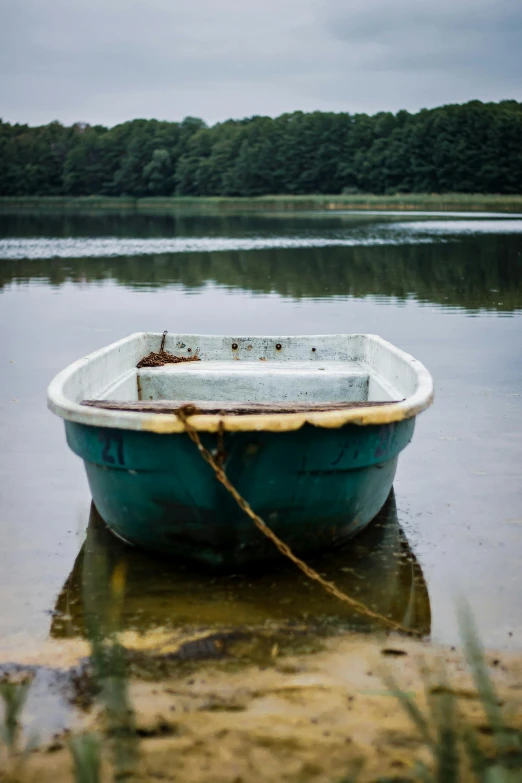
(106, 61)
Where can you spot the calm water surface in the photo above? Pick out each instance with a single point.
(447, 289)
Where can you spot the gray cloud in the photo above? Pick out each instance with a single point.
(450, 36)
(110, 60)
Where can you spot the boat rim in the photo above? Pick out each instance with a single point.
(166, 423)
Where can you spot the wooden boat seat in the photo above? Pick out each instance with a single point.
(228, 408)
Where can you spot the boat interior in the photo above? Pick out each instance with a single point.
(255, 376)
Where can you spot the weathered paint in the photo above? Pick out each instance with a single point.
(315, 478)
(312, 486)
(111, 373)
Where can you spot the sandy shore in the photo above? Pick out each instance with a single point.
(317, 716)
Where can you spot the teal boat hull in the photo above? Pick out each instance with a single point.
(314, 487)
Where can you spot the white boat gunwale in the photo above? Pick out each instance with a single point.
(65, 391)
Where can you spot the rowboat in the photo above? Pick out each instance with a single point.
(308, 430)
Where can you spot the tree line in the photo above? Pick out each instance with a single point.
(470, 148)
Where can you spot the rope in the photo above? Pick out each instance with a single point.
(285, 550)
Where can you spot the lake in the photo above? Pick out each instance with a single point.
(446, 288)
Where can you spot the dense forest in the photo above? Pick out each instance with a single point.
(470, 148)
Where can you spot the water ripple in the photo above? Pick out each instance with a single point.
(460, 226)
(107, 247)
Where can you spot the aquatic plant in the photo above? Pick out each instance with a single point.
(438, 202)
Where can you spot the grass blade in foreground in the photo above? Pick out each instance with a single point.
(103, 594)
(446, 731)
(86, 752)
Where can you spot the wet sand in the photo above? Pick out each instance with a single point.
(295, 717)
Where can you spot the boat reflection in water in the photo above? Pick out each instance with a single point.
(378, 568)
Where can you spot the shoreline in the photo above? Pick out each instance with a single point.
(329, 203)
(293, 716)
